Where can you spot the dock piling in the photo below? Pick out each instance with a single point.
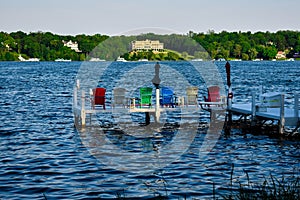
(147, 118)
(75, 104)
(83, 113)
(282, 120)
(157, 109)
(296, 105)
(260, 94)
(253, 110)
(229, 105)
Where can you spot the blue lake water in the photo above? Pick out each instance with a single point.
(42, 154)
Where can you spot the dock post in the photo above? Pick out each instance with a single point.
(75, 106)
(296, 105)
(260, 94)
(75, 103)
(253, 110)
(229, 104)
(133, 102)
(296, 111)
(282, 120)
(229, 99)
(147, 118)
(82, 113)
(157, 109)
(78, 84)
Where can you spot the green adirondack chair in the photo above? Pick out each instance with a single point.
(145, 96)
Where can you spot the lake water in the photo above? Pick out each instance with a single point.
(42, 154)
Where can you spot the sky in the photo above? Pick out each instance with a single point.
(117, 17)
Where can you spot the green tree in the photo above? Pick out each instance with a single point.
(280, 42)
(245, 56)
(19, 37)
(10, 56)
(252, 53)
(245, 47)
(260, 51)
(225, 53)
(237, 51)
(213, 54)
(269, 52)
(150, 55)
(7, 42)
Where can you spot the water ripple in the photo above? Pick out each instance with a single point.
(41, 153)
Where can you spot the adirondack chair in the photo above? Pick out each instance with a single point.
(119, 95)
(213, 98)
(167, 97)
(192, 96)
(98, 98)
(145, 97)
(214, 103)
(213, 94)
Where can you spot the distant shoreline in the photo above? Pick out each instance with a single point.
(46, 46)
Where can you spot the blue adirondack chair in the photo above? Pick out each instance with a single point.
(167, 97)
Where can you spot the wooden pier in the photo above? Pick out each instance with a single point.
(83, 110)
(256, 112)
(274, 110)
(270, 107)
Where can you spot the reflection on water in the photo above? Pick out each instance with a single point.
(42, 154)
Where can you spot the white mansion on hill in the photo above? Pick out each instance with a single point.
(72, 45)
(154, 45)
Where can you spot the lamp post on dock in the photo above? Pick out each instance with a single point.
(156, 81)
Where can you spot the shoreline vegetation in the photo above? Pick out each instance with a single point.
(46, 46)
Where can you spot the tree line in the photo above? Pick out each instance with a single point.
(247, 45)
(229, 45)
(45, 45)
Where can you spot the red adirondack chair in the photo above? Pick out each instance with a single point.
(98, 97)
(213, 94)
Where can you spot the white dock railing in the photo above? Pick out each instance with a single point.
(271, 106)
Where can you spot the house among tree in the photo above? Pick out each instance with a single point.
(147, 45)
(72, 45)
(281, 55)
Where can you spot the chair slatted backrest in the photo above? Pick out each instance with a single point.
(167, 96)
(145, 96)
(192, 95)
(99, 96)
(213, 94)
(119, 96)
